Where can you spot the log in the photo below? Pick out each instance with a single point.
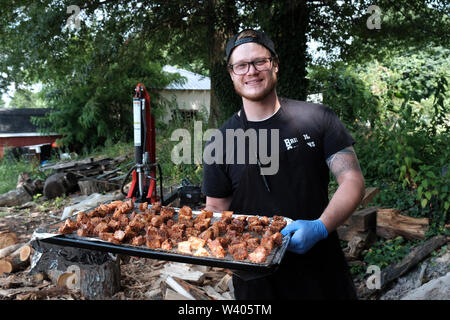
(363, 220)
(15, 197)
(10, 249)
(90, 186)
(8, 239)
(390, 224)
(95, 274)
(25, 253)
(394, 271)
(13, 263)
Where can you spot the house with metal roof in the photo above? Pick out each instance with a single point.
(190, 95)
(17, 129)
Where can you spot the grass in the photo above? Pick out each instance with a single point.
(10, 170)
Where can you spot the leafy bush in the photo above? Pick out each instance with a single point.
(397, 110)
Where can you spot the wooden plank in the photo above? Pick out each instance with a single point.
(369, 195)
(178, 288)
(182, 271)
(390, 224)
(365, 219)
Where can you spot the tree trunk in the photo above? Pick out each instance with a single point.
(96, 274)
(222, 25)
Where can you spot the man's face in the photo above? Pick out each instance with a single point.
(254, 85)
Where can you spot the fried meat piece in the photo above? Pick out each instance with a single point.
(185, 211)
(157, 221)
(68, 227)
(202, 224)
(184, 247)
(267, 242)
(114, 224)
(236, 224)
(85, 230)
(216, 248)
(277, 239)
(277, 225)
(167, 245)
(153, 243)
(123, 220)
(95, 221)
(119, 235)
(226, 217)
(207, 234)
(253, 219)
(191, 232)
(253, 243)
(138, 241)
(108, 236)
(256, 228)
(221, 225)
(136, 224)
(82, 217)
(167, 213)
(223, 241)
(156, 207)
(238, 251)
(143, 206)
(101, 228)
(265, 221)
(259, 255)
(201, 252)
(129, 233)
(196, 242)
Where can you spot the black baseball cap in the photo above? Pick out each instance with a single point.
(257, 36)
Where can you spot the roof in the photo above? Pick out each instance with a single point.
(193, 81)
(19, 120)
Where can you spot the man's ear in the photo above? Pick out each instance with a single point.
(275, 65)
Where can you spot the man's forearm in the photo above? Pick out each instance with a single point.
(345, 200)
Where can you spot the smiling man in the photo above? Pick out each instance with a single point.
(312, 142)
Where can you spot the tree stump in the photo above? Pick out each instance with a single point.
(96, 274)
(90, 186)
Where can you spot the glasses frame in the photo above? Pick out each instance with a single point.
(231, 66)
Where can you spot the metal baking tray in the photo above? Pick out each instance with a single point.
(49, 234)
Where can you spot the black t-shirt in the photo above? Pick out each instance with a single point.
(313, 127)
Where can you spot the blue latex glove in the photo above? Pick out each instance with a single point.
(306, 234)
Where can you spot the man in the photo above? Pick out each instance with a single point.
(312, 142)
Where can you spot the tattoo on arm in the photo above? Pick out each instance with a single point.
(342, 161)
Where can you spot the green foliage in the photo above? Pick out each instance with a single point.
(11, 169)
(386, 252)
(24, 98)
(397, 110)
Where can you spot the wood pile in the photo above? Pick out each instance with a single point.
(88, 175)
(165, 280)
(14, 256)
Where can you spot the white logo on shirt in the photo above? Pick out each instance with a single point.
(310, 144)
(290, 143)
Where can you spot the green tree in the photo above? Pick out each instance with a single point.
(24, 98)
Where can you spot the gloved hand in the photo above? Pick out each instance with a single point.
(306, 234)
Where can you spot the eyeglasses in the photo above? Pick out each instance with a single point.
(262, 64)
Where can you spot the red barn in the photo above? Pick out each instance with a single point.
(17, 130)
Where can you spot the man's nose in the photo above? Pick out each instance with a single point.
(251, 69)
